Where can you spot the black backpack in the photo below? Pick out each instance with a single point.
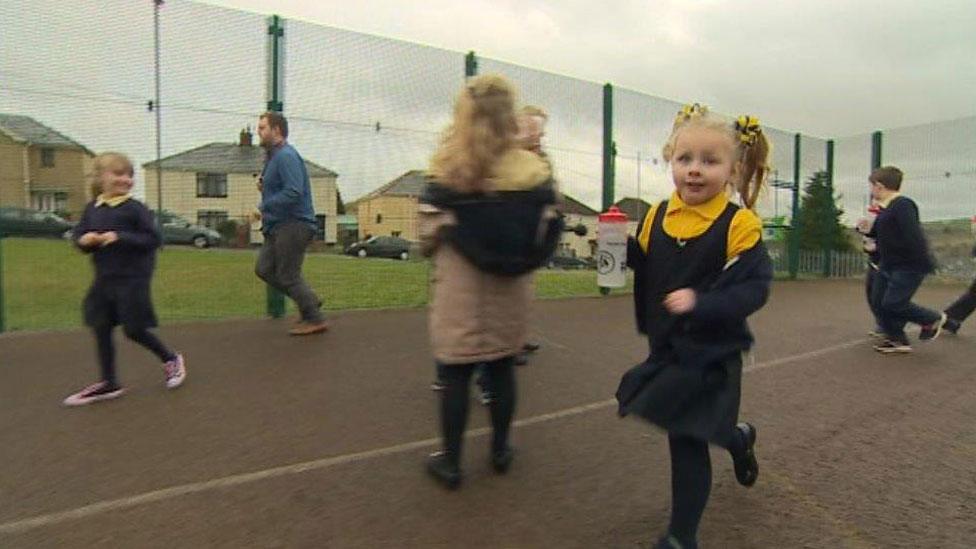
(503, 233)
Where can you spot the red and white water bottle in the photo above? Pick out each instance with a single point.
(611, 255)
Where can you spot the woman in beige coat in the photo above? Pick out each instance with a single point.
(486, 219)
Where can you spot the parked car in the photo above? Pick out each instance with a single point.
(16, 221)
(381, 246)
(560, 261)
(177, 230)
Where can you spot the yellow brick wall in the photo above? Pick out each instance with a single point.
(399, 213)
(324, 195)
(11, 173)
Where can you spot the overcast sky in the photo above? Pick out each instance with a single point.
(828, 68)
(371, 108)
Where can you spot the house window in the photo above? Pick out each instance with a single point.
(60, 202)
(47, 157)
(49, 201)
(211, 185)
(211, 218)
(379, 218)
(395, 233)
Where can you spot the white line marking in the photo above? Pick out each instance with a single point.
(39, 521)
(803, 356)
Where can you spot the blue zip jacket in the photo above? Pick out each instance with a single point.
(286, 194)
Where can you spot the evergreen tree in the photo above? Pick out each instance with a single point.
(819, 217)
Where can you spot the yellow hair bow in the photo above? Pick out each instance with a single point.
(688, 112)
(748, 129)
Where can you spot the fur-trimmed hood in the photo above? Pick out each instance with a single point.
(516, 170)
(520, 170)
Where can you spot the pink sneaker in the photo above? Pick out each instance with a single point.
(175, 372)
(95, 392)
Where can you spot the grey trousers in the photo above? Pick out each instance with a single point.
(280, 265)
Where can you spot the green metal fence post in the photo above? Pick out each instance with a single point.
(876, 150)
(794, 243)
(275, 300)
(609, 147)
(3, 323)
(470, 65)
(276, 76)
(609, 156)
(828, 253)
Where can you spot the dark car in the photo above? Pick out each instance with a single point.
(560, 261)
(381, 246)
(177, 230)
(16, 221)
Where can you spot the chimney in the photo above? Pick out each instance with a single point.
(246, 136)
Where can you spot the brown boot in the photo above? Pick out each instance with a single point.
(309, 328)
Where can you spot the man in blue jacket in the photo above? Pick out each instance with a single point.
(287, 221)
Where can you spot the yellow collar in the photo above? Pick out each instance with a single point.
(112, 201)
(709, 210)
(884, 203)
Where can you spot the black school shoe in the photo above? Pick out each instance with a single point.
(501, 461)
(893, 348)
(932, 331)
(671, 542)
(952, 326)
(746, 466)
(443, 471)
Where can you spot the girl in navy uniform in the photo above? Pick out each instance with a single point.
(700, 269)
(120, 234)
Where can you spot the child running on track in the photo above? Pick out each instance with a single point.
(120, 234)
(700, 268)
(905, 261)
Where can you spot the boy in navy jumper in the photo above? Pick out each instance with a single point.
(905, 262)
(121, 236)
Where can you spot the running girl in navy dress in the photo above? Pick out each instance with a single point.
(120, 234)
(700, 269)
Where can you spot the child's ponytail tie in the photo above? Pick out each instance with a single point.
(748, 129)
(688, 112)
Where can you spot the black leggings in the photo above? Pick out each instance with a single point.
(500, 379)
(106, 348)
(691, 483)
(964, 306)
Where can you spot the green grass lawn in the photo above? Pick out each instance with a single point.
(44, 282)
